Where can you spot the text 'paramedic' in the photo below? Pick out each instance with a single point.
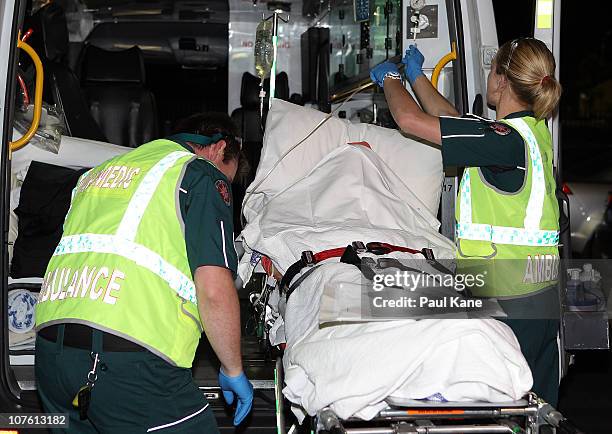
(111, 177)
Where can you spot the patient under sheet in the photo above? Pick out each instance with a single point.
(352, 194)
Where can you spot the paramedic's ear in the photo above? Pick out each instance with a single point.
(217, 152)
(502, 83)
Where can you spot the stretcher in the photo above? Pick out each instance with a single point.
(326, 194)
(530, 415)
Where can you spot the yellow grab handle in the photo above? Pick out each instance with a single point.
(38, 93)
(438, 69)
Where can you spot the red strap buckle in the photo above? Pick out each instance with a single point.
(429, 254)
(308, 258)
(378, 248)
(359, 247)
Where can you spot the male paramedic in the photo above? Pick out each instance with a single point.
(145, 264)
(507, 213)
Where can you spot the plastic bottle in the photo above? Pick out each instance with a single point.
(591, 282)
(573, 285)
(264, 53)
(587, 276)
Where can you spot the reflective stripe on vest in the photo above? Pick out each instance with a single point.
(122, 243)
(530, 234)
(112, 244)
(143, 194)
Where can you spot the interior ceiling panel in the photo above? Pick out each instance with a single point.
(215, 11)
(97, 4)
(138, 5)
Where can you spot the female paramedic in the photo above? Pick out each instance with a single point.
(507, 212)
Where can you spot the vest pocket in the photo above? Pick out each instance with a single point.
(190, 315)
(469, 249)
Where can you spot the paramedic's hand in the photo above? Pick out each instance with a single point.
(242, 388)
(382, 71)
(413, 59)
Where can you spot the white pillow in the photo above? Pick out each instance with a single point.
(418, 165)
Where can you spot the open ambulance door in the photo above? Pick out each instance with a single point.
(15, 396)
(437, 28)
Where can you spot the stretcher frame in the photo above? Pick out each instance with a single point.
(530, 415)
(430, 417)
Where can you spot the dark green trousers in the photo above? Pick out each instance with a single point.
(538, 340)
(136, 392)
(535, 322)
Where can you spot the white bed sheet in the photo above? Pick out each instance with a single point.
(74, 153)
(351, 194)
(353, 368)
(416, 164)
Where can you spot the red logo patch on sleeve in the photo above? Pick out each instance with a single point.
(223, 190)
(499, 128)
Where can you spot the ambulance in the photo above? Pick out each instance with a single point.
(84, 80)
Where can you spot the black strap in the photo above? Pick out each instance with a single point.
(291, 272)
(435, 264)
(299, 281)
(350, 256)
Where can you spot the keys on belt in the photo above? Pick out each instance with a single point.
(83, 397)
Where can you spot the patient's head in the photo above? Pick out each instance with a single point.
(226, 153)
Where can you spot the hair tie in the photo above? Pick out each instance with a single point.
(545, 80)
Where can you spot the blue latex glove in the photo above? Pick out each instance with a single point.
(242, 388)
(413, 59)
(379, 72)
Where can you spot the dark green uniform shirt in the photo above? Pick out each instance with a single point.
(498, 149)
(205, 200)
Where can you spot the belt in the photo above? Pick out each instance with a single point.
(308, 258)
(80, 336)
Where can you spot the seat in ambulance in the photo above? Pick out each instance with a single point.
(114, 83)
(61, 87)
(109, 102)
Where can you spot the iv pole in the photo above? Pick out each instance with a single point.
(275, 17)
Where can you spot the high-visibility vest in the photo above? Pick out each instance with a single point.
(511, 237)
(121, 265)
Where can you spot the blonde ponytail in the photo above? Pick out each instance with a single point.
(530, 68)
(547, 98)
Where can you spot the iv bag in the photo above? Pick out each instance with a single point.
(264, 51)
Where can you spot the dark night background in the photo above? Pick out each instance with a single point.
(585, 68)
(585, 113)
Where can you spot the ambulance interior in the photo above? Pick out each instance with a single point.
(118, 74)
